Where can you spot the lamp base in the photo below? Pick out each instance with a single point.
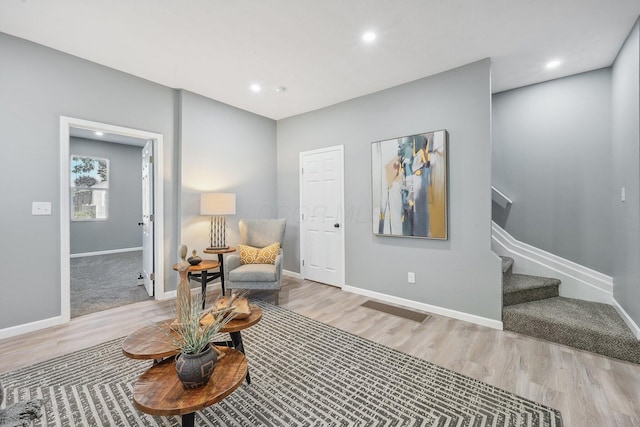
(218, 233)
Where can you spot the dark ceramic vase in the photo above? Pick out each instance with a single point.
(195, 370)
(194, 260)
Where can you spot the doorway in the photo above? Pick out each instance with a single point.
(152, 225)
(322, 218)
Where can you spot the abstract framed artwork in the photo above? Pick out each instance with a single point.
(409, 186)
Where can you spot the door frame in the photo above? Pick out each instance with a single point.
(340, 149)
(66, 123)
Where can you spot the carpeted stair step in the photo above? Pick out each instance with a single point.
(521, 288)
(507, 266)
(586, 325)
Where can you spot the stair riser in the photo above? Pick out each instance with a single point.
(530, 295)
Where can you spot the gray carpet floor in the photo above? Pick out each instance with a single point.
(102, 282)
(303, 373)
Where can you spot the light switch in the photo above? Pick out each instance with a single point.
(41, 208)
(623, 194)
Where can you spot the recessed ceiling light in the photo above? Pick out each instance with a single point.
(281, 89)
(553, 64)
(98, 133)
(256, 87)
(369, 36)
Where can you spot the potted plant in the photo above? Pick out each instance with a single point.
(198, 357)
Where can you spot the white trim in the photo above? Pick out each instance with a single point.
(627, 319)
(577, 281)
(340, 148)
(158, 193)
(65, 220)
(292, 274)
(110, 251)
(25, 328)
(467, 317)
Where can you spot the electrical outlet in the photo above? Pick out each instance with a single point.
(411, 277)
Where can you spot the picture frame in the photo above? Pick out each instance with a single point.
(409, 184)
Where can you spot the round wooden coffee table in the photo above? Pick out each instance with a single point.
(159, 391)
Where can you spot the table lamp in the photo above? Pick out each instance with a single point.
(216, 205)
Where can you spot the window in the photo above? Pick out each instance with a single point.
(89, 188)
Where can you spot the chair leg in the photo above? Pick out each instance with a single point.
(277, 296)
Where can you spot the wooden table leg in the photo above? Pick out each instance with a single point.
(236, 338)
(188, 420)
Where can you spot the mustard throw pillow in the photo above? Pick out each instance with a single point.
(266, 255)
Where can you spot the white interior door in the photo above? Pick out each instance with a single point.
(322, 215)
(147, 216)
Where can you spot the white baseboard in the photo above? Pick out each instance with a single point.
(627, 319)
(173, 294)
(13, 331)
(577, 281)
(168, 295)
(111, 251)
(472, 318)
(292, 274)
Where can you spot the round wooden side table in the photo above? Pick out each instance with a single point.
(202, 268)
(220, 253)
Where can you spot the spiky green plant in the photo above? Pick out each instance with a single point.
(189, 334)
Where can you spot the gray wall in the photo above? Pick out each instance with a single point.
(225, 149)
(37, 86)
(461, 273)
(120, 230)
(626, 173)
(551, 156)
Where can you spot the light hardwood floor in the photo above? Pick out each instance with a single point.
(590, 390)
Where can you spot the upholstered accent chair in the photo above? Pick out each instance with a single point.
(20, 414)
(257, 233)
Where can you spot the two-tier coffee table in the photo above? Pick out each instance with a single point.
(159, 390)
(151, 342)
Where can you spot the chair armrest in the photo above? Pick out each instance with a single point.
(279, 261)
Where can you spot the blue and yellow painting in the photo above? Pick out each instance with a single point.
(409, 184)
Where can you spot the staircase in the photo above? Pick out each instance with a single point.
(532, 306)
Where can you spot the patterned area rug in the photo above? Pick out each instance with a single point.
(303, 373)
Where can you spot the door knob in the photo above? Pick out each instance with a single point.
(141, 223)
(336, 225)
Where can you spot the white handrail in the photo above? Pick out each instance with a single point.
(500, 198)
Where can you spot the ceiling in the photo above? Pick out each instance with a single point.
(218, 48)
